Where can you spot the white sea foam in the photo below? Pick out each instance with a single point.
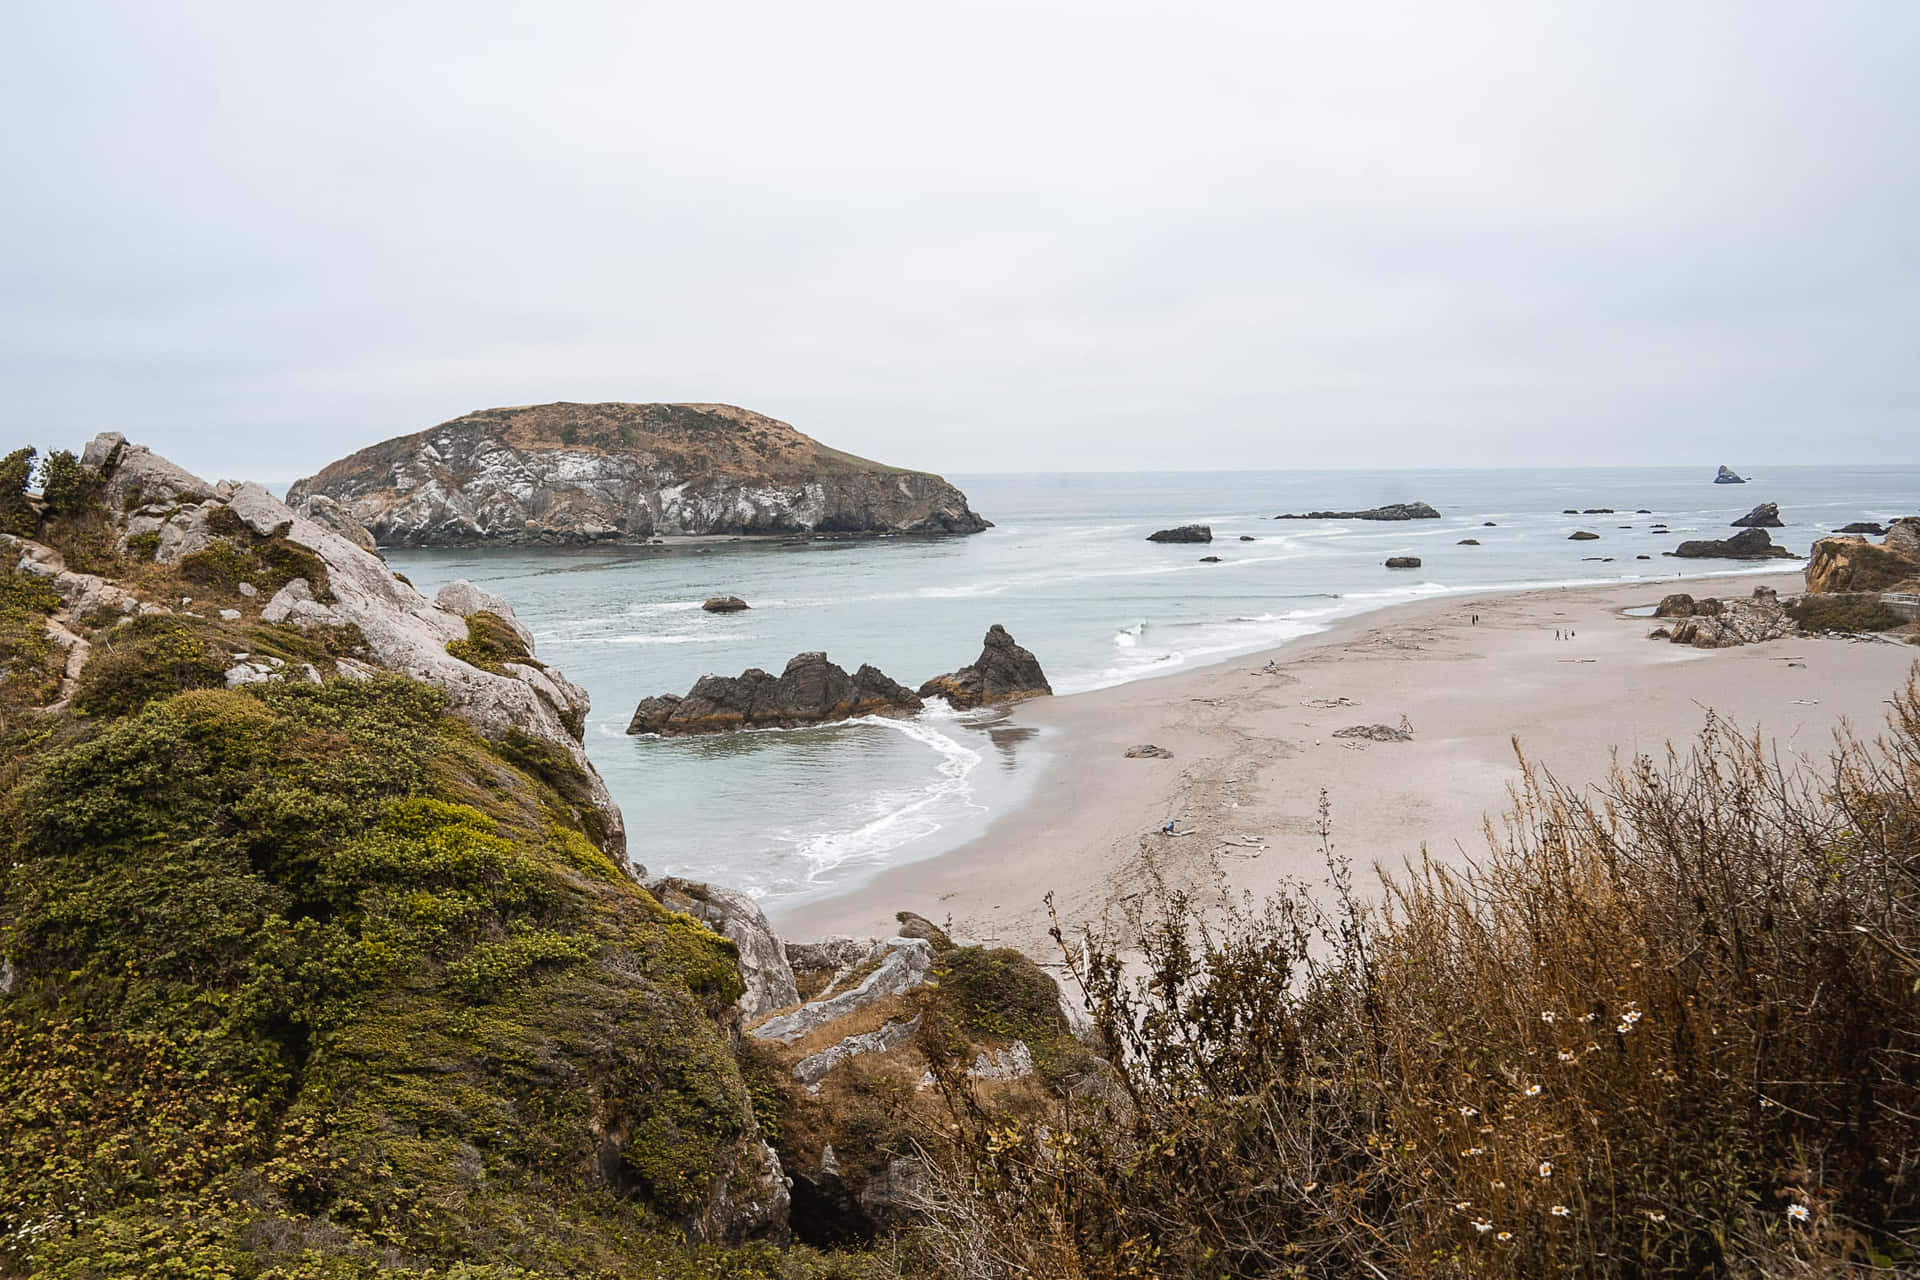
(901, 819)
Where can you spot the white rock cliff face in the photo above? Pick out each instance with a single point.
(567, 473)
(405, 632)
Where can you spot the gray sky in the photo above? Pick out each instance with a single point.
(1101, 235)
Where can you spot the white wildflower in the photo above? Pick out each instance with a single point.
(1797, 1212)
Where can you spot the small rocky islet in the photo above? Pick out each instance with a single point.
(564, 473)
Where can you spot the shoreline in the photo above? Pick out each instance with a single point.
(1251, 755)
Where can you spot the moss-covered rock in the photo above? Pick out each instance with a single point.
(278, 1000)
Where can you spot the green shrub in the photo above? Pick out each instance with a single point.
(31, 664)
(66, 487)
(1843, 613)
(148, 657)
(491, 643)
(17, 515)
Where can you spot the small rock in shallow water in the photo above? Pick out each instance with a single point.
(725, 604)
(1148, 751)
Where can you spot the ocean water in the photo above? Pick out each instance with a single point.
(1068, 571)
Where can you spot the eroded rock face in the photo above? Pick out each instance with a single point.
(737, 917)
(573, 473)
(1183, 533)
(1764, 516)
(900, 965)
(1748, 544)
(810, 691)
(1004, 672)
(403, 631)
(1724, 624)
(1392, 511)
(1854, 564)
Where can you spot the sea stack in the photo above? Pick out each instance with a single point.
(582, 473)
(1004, 672)
(810, 691)
(1183, 533)
(1726, 475)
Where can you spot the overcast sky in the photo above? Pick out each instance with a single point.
(973, 237)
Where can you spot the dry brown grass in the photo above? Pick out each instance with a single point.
(1667, 1027)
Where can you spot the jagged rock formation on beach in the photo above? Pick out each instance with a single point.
(1854, 564)
(1725, 624)
(1004, 672)
(1748, 544)
(1726, 475)
(1764, 516)
(1392, 511)
(572, 473)
(810, 691)
(1183, 533)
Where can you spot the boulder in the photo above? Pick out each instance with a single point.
(1392, 511)
(738, 918)
(914, 925)
(1583, 535)
(1247, 537)
(465, 599)
(1004, 672)
(1209, 559)
(1677, 605)
(1403, 562)
(1748, 544)
(725, 604)
(1726, 476)
(1764, 516)
(1183, 533)
(1467, 542)
(810, 691)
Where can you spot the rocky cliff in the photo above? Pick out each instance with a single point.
(1854, 564)
(572, 473)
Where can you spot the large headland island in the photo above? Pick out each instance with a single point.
(588, 473)
(324, 951)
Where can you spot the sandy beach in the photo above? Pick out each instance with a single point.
(1252, 748)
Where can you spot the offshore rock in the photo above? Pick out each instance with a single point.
(1764, 516)
(1583, 535)
(1864, 526)
(1726, 476)
(1004, 672)
(1183, 533)
(810, 691)
(1748, 544)
(579, 473)
(1403, 562)
(1392, 511)
(725, 604)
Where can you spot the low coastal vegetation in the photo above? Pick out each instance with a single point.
(1671, 1027)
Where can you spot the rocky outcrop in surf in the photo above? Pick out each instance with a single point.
(1764, 516)
(1748, 544)
(1392, 511)
(580, 473)
(1182, 533)
(811, 690)
(1726, 475)
(1004, 672)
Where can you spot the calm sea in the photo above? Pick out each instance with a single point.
(1069, 572)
